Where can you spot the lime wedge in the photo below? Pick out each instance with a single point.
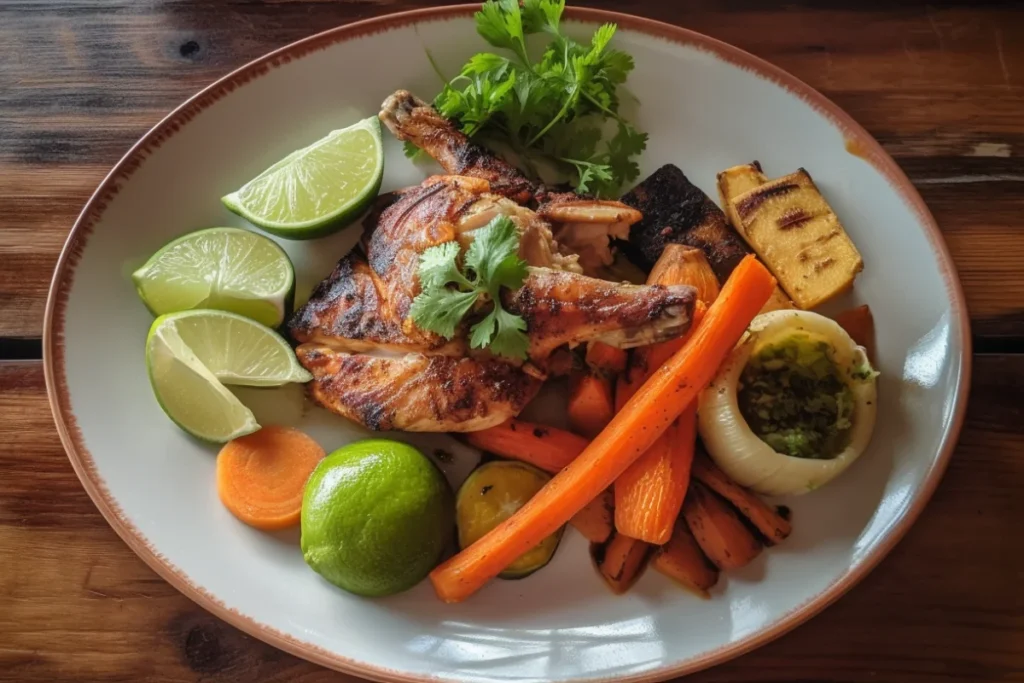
(229, 269)
(191, 355)
(318, 189)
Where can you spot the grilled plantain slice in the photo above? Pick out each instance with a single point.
(799, 237)
(732, 182)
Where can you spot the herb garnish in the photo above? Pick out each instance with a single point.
(554, 109)
(448, 293)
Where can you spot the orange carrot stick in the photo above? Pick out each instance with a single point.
(631, 432)
(548, 448)
(261, 477)
(720, 532)
(859, 323)
(773, 526)
(620, 561)
(591, 404)
(650, 493)
(594, 521)
(682, 559)
(606, 359)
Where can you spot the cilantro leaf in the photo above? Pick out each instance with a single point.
(494, 254)
(439, 266)
(542, 15)
(491, 263)
(441, 309)
(502, 332)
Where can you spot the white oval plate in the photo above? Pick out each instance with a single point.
(706, 106)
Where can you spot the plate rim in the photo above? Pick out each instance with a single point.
(858, 142)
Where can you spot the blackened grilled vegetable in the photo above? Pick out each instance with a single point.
(678, 212)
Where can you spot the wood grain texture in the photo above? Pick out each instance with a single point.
(941, 84)
(77, 605)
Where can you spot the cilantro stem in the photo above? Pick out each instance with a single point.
(561, 114)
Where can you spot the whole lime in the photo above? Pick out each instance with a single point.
(376, 516)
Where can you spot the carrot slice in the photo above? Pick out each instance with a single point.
(859, 323)
(594, 521)
(682, 560)
(720, 533)
(548, 448)
(605, 358)
(650, 493)
(591, 404)
(772, 526)
(640, 423)
(620, 561)
(261, 476)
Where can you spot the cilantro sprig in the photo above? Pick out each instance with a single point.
(554, 109)
(449, 293)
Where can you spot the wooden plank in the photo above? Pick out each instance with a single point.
(942, 88)
(76, 604)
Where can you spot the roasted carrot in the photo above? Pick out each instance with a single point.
(631, 432)
(548, 448)
(595, 520)
(859, 323)
(682, 559)
(650, 493)
(261, 477)
(720, 533)
(591, 404)
(620, 561)
(605, 359)
(771, 525)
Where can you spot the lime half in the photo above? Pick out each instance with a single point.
(229, 269)
(192, 354)
(318, 189)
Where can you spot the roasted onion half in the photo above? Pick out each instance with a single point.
(792, 406)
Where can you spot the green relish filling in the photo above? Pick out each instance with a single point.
(794, 398)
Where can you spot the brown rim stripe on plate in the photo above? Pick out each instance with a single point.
(859, 141)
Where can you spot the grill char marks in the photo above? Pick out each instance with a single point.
(415, 392)
(675, 211)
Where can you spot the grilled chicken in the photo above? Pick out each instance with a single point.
(582, 226)
(372, 364)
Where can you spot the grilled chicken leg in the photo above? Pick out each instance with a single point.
(372, 364)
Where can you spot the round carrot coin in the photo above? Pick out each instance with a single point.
(261, 477)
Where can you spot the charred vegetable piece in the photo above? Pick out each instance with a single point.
(678, 212)
(734, 181)
(595, 520)
(493, 493)
(620, 561)
(682, 560)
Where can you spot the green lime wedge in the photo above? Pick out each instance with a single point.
(191, 355)
(316, 190)
(229, 269)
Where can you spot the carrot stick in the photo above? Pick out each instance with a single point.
(773, 526)
(594, 521)
(620, 561)
(720, 533)
(682, 559)
(631, 432)
(650, 493)
(591, 405)
(548, 448)
(859, 323)
(605, 358)
(261, 477)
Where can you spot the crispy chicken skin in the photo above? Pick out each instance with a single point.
(411, 119)
(415, 392)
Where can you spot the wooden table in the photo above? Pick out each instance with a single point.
(941, 86)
